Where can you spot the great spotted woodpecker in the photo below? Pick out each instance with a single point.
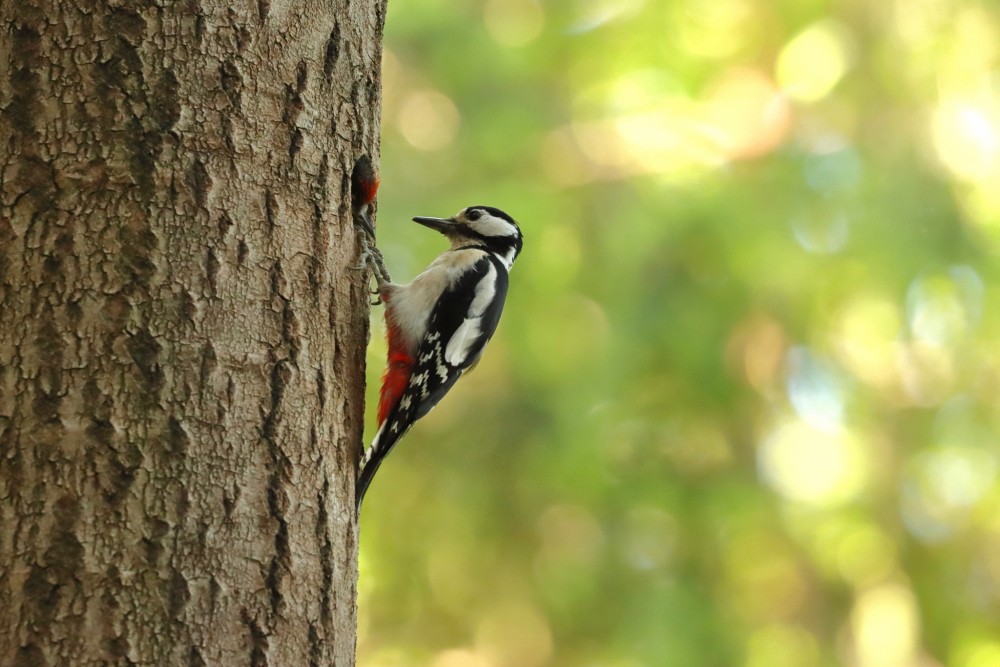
(437, 325)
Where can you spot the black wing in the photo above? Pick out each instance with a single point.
(461, 323)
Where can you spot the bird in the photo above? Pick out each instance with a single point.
(437, 325)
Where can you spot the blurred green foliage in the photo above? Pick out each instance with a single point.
(742, 408)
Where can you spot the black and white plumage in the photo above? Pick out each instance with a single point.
(438, 325)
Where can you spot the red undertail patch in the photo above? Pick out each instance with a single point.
(398, 367)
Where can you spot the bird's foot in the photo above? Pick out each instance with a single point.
(371, 258)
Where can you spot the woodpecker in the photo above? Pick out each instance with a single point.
(364, 185)
(437, 325)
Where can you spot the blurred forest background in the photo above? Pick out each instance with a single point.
(743, 406)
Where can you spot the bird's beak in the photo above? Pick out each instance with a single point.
(443, 225)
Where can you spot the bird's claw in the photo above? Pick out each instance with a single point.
(363, 259)
(377, 293)
(371, 258)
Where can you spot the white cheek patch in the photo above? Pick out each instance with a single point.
(468, 332)
(491, 226)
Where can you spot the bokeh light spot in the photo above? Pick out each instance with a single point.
(711, 29)
(814, 61)
(926, 372)
(961, 475)
(428, 120)
(980, 653)
(513, 22)
(867, 331)
(943, 307)
(460, 657)
(886, 626)
(941, 485)
(967, 138)
(514, 633)
(756, 349)
(654, 140)
(638, 90)
(981, 205)
(815, 390)
(810, 464)
(749, 115)
(598, 13)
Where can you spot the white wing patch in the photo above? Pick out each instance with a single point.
(463, 338)
(467, 333)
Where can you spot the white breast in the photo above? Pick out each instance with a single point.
(411, 304)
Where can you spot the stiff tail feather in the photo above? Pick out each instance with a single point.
(369, 464)
(383, 443)
(398, 368)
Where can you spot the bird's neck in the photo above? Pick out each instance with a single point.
(461, 242)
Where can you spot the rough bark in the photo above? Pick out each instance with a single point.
(181, 337)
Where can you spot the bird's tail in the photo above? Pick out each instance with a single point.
(384, 441)
(366, 470)
(399, 366)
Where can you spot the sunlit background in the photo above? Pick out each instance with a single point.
(744, 403)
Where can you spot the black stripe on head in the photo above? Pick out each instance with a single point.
(495, 212)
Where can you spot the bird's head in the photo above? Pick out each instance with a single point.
(482, 226)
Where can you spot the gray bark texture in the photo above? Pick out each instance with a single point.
(182, 339)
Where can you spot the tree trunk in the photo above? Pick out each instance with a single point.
(181, 337)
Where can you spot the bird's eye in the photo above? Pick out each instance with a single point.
(474, 214)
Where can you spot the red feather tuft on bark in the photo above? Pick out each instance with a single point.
(364, 183)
